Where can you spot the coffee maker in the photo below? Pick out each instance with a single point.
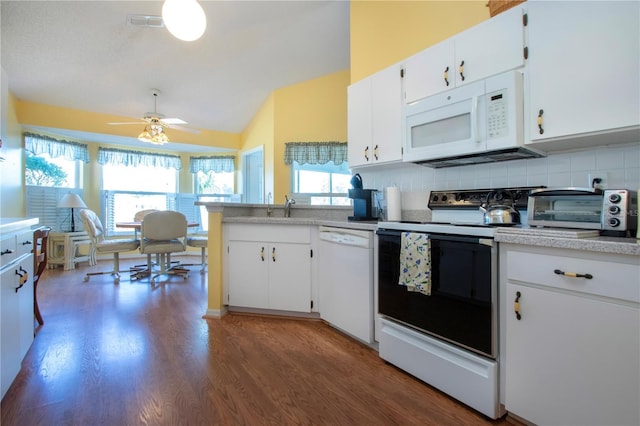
(364, 201)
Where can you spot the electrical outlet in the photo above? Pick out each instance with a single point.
(597, 180)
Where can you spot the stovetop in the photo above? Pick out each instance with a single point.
(457, 212)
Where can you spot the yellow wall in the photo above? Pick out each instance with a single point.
(258, 133)
(35, 114)
(386, 32)
(312, 111)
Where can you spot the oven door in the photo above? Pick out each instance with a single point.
(462, 307)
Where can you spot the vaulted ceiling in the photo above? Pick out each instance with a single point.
(87, 55)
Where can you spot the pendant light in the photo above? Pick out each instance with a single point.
(185, 19)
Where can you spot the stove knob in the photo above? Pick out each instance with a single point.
(613, 222)
(435, 198)
(614, 210)
(615, 198)
(444, 198)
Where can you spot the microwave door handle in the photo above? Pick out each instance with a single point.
(475, 120)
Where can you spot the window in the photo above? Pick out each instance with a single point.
(52, 169)
(213, 180)
(134, 181)
(325, 184)
(319, 170)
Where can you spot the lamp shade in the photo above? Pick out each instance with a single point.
(72, 200)
(185, 19)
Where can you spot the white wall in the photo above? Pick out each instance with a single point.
(619, 166)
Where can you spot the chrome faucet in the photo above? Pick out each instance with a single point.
(287, 206)
(269, 207)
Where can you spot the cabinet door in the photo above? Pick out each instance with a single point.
(491, 47)
(290, 277)
(430, 71)
(360, 131)
(386, 104)
(571, 359)
(16, 321)
(583, 68)
(248, 285)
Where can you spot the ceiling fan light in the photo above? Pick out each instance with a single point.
(185, 19)
(145, 136)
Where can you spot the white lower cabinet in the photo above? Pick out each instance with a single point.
(16, 305)
(572, 343)
(269, 267)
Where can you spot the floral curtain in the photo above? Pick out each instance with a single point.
(216, 163)
(123, 157)
(315, 152)
(39, 144)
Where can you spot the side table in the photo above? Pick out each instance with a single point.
(64, 249)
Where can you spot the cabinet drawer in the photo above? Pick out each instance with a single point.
(8, 250)
(269, 233)
(24, 242)
(611, 278)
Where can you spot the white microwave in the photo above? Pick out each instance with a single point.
(475, 123)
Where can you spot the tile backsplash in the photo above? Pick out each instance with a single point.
(618, 166)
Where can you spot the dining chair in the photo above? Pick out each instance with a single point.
(99, 244)
(40, 244)
(199, 241)
(139, 217)
(163, 233)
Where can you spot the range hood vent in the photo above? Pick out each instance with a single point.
(507, 154)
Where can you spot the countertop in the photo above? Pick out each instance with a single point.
(545, 238)
(337, 217)
(11, 224)
(263, 220)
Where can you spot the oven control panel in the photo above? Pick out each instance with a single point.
(474, 198)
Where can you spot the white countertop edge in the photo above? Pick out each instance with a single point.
(628, 246)
(366, 226)
(11, 224)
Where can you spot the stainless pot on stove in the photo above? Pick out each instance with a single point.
(498, 209)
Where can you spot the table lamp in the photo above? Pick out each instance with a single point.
(72, 201)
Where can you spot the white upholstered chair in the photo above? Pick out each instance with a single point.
(93, 226)
(199, 241)
(163, 233)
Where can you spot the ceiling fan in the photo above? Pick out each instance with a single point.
(155, 124)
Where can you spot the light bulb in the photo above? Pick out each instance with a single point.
(185, 19)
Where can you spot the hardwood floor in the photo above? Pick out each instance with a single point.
(130, 354)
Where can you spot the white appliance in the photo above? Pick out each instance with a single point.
(345, 277)
(475, 123)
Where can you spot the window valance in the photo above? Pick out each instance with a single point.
(315, 152)
(40, 144)
(215, 163)
(123, 157)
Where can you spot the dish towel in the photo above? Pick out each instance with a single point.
(415, 262)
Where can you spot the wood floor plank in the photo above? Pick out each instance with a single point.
(133, 354)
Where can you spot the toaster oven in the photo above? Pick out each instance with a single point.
(613, 211)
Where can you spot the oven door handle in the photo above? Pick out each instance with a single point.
(439, 237)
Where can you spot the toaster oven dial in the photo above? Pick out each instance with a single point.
(614, 209)
(614, 221)
(615, 198)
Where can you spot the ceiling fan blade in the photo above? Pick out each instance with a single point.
(173, 121)
(183, 129)
(128, 122)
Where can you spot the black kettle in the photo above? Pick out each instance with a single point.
(356, 181)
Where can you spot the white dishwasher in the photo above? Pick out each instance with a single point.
(345, 277)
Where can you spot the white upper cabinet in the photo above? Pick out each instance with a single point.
(582, 75)
(375, 118)
(489, 48)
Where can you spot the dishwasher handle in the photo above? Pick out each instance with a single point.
(348, 237)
